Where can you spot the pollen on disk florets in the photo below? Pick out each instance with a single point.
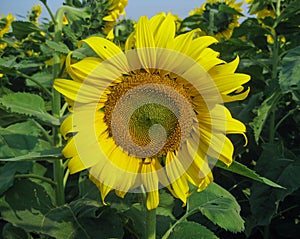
(148, 115)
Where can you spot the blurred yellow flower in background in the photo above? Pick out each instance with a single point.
(36, 11)
(5, 24)
(116, 10)
(220, 21)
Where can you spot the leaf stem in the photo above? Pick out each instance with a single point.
(44, 132)
(19, 73)
(44, 179)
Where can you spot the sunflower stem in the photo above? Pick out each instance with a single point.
(58, 168)
(150, 224)
(211, 23)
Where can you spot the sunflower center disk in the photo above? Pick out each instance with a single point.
(148, 115)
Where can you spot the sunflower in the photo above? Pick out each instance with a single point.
(116, 9)
(266, 11)
(223, 21)
(36, 11)
(152, 116)
(5, 23)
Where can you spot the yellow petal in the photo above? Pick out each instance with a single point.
(219, 118)
(76, 165)
(226, 67)
(216, 145)
(228, 83)
(163, 28)
(145, 43)
(130, 42)
(179, 182)
(67, 126)
(71, 90)
(69, 68)
(84, 68)
(199, 44)
(209, 58)
(108, 50)
(182, 42)
(235, 97)
(152, 200)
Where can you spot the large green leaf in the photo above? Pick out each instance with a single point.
(191, 230)
(11, 232)
(21, 139)
(243, 170)
(25, 204)
(49, 154)
(42, 77)
(22, 29)
(263, 113)
(278, 164)
(219, 206)
(58, 47)
(82, 219)
(28, 104)
(8, 171)
(289, 75)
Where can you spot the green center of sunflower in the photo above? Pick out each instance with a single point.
(220, 14)
(148, 115)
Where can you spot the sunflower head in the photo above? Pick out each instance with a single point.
(115, 10)
(219, 18)
(151, 116)
(5, 23)
(36, 11)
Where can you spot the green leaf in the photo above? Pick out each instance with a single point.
(191, 230)
(28, 104)
(263, 113)
(82, 219)
(25, 204)
(243, 170)
(20, 139)
(219, 206)
(42, 77)
(49, 154)
(281, 166)
(8, 171)
(289, 75)
(21, 29)
(225, 8)
(290, 11)
(11, 232)
(166, 204)
(58, 47)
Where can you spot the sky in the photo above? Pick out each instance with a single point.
(134, 9)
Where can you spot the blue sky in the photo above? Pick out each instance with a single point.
(134, 9)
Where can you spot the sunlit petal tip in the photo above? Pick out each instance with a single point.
(75, 165)
(120, 193)
(246, 139)
(152, 200)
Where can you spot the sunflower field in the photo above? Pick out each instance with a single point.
(161, 127)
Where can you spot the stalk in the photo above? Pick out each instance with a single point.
(150, 224)
(58, 168)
